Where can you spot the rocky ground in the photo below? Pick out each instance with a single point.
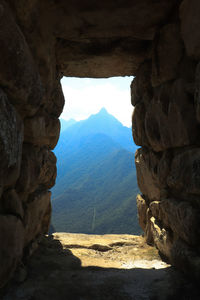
(97, 267)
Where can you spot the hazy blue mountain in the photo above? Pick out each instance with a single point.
(96, 183)
(103, 122)
(66, 124)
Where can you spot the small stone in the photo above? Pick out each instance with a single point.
(142, 211)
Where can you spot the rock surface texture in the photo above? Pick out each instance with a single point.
(165, 93)
(157, 42)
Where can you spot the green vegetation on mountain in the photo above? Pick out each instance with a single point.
(96, 183)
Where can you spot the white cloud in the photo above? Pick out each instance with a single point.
(84, 97)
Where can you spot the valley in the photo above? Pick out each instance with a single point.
(96, 186)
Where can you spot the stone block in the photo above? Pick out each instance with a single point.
(12, 204)
(167, 54)
(141, 89)
(148, 231)
(155, 209)
(180, 217)
(38, 169)
(142, 211)
(187, 72)
(184, 177)
(18, 72)
(138, 126)
(186, 259)
(197, 92)
(162, 238)
(170, 117)
(48, 170)
(190, 22)
(11, 249)
(11, 139)
(42, 131)
(148, 173)
(37, 214)
(54, 105)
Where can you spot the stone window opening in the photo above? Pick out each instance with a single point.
(102, 110)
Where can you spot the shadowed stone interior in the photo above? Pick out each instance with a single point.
(156, 41)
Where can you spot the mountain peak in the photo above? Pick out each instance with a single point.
(103, 111)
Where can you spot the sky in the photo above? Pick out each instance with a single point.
(86, 96)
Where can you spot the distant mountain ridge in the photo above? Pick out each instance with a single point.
(65, 124)
(96, 183)
(102, 122)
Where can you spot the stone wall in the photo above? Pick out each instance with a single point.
(29, 130)
(165, 93)
(43, 40)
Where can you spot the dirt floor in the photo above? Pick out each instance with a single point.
(97, 267)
